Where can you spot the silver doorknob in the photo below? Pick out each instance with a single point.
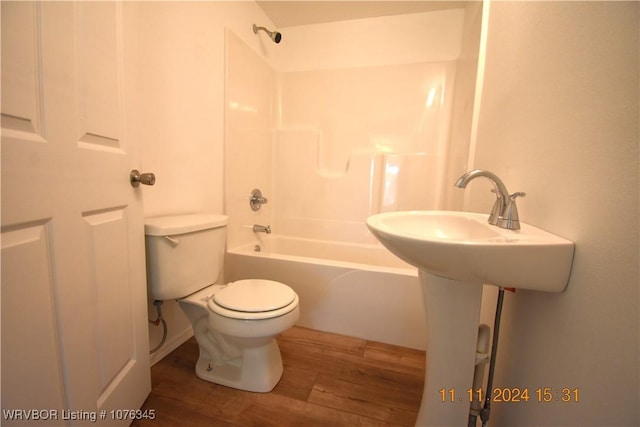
(138, 178)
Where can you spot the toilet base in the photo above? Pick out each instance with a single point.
(258, 369)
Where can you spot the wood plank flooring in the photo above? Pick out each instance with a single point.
(328, 380)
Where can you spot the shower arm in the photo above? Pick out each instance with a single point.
(273, 35)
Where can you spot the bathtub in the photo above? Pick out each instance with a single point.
(359, 290)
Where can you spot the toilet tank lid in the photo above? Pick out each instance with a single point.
(180, 224)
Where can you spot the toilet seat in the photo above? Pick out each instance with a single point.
(253, 299)
(254, 296)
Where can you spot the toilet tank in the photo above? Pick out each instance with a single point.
(185, 253)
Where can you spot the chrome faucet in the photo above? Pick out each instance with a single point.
(257, 228)
(505, 211)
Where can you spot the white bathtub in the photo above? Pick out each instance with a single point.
(352, 289)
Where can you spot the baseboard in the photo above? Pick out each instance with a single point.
(170, 345)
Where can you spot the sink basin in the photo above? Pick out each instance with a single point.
(464, 247)
(456, 253)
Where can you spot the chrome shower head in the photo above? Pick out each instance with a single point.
(274, 35)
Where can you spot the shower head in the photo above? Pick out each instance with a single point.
(274, 35)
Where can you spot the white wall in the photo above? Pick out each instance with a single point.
(559, 120)
(181, 85)
(433, 36)
(375, 96)
(349, 93)
(463, 106)
(250, 116)
(180, 111)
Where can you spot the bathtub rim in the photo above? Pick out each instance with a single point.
(247, 249)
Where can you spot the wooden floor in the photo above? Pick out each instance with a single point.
(328, 380)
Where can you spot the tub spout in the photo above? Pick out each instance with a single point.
(257, 228)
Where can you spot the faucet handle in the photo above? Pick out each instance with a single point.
(511, 219)
(511, 196)
(256, 199)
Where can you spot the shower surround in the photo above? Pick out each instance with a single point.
(340, 121)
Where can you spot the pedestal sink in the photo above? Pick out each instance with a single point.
(456, 253)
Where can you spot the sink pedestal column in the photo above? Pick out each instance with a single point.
(453, 313)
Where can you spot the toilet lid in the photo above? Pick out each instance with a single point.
(254, 296)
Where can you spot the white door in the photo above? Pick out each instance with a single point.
(74, 310)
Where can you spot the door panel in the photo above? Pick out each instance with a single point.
(72, 225)
(27, 261)
(21, 78)
(99, 66)
(108, 255)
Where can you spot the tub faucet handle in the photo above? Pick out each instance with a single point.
(256, 200)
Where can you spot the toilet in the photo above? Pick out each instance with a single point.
(235, 324)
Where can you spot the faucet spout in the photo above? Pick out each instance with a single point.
(505, 212)
(498, 185)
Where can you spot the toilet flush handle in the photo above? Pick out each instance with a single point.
(173, 240)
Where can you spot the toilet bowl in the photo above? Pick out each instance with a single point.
(235, 324)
